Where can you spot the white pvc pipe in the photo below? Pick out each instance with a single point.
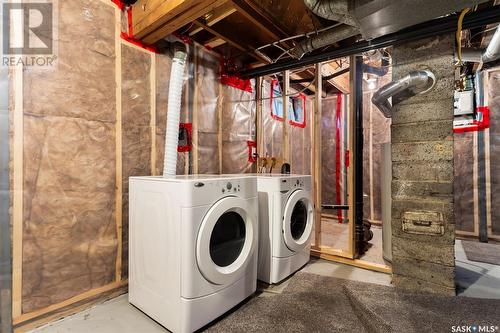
(173, 114)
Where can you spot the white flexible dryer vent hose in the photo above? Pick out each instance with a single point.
(173, 113)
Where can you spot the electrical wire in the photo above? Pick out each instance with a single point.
(459, 35)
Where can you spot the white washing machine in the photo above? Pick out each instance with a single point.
(193, 247)
(286, 219)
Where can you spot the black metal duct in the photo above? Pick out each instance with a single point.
(435, 27)
(359, 228)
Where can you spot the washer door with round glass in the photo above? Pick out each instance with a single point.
(226, 241)
(298, 220)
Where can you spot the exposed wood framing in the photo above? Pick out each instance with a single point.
(165, 17)
(151, 15)
(196, 107)
(259, 118)
(316, 161)
(353, 262)
(152, 82)
(220, 103)
(118, 143)
(17, 200)
(216, 15)
(286, 105)
(214, 42)
(250, 11)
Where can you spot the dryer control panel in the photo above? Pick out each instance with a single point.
(244, 187)
(288, 184)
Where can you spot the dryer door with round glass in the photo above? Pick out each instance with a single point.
(298, 220)
(225, 241)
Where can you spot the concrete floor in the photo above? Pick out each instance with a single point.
(117, 315)
(475, 279)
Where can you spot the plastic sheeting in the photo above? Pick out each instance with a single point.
(329, 150)
(376, 132)
(238, 126)
(272, 128)
(208, 89)
(300, 143)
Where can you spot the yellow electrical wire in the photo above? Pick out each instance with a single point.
(459, 34)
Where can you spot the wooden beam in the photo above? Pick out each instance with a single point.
(214, 42)
(316, 151)
(260, 19)
(118, 148)
(150, 31)
(216, 15)
(259, 119)
(230, 41)
(353, 262)
(286, 105)
(17, 193)
(220, 35)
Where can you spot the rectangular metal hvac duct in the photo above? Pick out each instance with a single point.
(380, 17)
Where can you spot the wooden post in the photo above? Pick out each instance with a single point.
(220, 103)
(259, 125)
(195, 100)
(316, 152)
(152, 79)
(17, 200)
(286, 104)
(118, 143)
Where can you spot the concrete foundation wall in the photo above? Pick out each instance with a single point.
(422, 183)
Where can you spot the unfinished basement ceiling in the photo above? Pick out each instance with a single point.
(253, 33)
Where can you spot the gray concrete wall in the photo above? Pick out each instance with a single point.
(423, 227)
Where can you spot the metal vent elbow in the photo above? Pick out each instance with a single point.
(419, 82)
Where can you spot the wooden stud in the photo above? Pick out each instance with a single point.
(196, 107)
(220, 103)
(152, 79)
(286, 105)
(259, 119)
(316, 152)
(17, 196)
(118, 143)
